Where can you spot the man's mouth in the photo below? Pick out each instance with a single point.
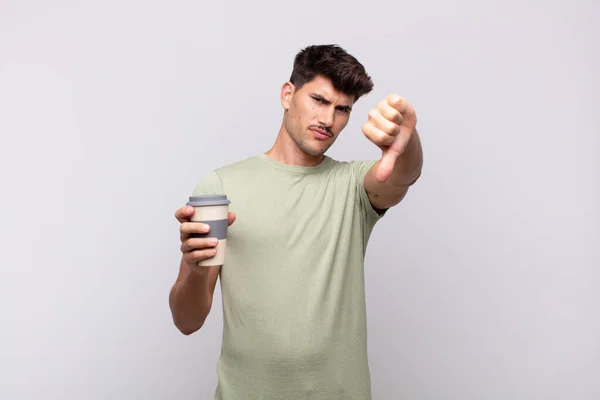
(321, 132)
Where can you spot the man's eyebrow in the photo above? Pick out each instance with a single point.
(326, 101)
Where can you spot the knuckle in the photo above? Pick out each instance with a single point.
(395, 117)
(204, 254)
(366, 128)
(183, 246)
(201, 244)
(389, 129)
(191, 244)
(402, 105)
(376, 138)
(384, 138)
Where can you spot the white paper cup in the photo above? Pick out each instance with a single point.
(212, 210)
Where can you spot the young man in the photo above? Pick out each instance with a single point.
(293, 283)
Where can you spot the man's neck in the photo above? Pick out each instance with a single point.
(286, 151)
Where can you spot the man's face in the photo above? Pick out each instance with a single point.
(316, 114)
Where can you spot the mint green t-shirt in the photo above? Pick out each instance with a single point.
(293, 282)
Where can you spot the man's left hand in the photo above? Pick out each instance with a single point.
(390, 126)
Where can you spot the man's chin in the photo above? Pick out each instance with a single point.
(316, 151)
(315, 148)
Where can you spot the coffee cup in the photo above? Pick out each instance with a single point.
(212, 210)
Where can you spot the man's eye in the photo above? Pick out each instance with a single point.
(318, 100)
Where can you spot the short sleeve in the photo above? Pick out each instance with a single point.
(359, 170)
(209, 184)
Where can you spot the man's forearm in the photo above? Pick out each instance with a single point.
(406, 171)
(190, 302)
(408, 165)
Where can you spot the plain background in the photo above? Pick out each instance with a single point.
(482, 284)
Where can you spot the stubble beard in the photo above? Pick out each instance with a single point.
(303, 141)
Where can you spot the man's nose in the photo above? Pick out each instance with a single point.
(326, 116)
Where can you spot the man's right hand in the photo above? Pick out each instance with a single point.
(196, 249)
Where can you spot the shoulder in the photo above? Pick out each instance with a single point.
(239, 166)
(214, 181)
(356, 169)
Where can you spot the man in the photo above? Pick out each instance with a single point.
(293, 283)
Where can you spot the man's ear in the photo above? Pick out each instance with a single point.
(287, 91)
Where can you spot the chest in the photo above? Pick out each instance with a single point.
(293, 214)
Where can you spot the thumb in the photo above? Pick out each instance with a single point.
(386, 166)
(231, 217)
(184, 213)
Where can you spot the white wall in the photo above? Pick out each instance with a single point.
(483, 284)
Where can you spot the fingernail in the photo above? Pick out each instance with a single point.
(213, 241)
(205, 227)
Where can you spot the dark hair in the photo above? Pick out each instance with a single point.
(333, 62)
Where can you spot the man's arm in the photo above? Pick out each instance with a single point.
(191, 297)
(392, 127)
(405, 173)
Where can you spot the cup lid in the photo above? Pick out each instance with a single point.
(208, 200)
